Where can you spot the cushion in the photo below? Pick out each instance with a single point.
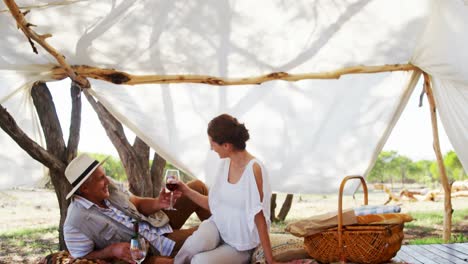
(397, 218)
(284, 247)
(63, 257)
(319, 223)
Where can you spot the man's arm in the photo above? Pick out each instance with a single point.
(117, 250)
(80, 246)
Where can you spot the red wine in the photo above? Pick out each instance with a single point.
(171, 186)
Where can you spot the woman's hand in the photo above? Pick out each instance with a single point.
(182, 187)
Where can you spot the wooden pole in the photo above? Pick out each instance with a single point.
(440, 162)
(121, 77)
(25, 26)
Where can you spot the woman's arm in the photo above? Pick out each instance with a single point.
(263, 233)
(196, 197)
(260, 220)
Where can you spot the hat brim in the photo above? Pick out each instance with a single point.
(70, 194)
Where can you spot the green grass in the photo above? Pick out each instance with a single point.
(278, 227)
(27, 232)
(31, 240)
(430, 222)
(456, 238)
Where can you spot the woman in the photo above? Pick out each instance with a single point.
(239, 202)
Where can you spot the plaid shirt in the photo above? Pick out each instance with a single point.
(80, 245)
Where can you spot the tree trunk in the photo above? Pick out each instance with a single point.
(156, 173)
(273, 208)
(285, 207)
(403, 174)
(135, 159)
(50, 124)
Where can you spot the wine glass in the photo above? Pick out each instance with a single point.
(172, 176)
(138, 249)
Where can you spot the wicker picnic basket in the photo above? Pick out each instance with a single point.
(355, 243)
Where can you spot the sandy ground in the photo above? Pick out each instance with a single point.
(34, 208)
(38, 208)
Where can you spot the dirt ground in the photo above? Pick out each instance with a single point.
(38, 209)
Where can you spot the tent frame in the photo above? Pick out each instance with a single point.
(79, 75)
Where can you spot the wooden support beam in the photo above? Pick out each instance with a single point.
(120, 77)
(440, 161)
(25, 26)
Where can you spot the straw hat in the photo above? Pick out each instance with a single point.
(79, 169)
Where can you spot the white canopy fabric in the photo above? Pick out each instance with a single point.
(310, 133)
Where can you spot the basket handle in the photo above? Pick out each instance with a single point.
(340, 209)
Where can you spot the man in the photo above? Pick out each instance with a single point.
(99, 223)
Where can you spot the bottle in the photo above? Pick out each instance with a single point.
(138, 245)
(136, 228)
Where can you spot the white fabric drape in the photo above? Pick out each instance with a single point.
(442, 52)
(309, 134)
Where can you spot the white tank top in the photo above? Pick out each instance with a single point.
(234, 206)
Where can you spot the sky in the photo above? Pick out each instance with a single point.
(411, 136)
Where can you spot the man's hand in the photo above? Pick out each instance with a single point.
(164, 198)
(122, 251)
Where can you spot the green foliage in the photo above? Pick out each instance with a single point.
(393, 167)
(183, 176)
(115, 169)
(388, 166)
(423, 174)
(454, 166)
(113, 166)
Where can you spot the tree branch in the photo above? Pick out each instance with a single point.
(75, 122)
(142, 150)
(8, 124)
(50, 123)
(137, 169)
(25, 26)
(156, 172)
(120, 77)
(113, 127)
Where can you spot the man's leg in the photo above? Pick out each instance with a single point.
(179, 236)
(185, 207)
